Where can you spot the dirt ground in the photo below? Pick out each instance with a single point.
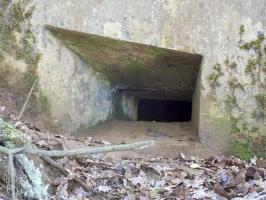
(171, 139)
(172, 168)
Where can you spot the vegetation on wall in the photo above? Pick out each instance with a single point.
(16, 37)
(242, 78)
(17, 43)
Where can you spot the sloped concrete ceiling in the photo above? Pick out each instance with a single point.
(143, 70)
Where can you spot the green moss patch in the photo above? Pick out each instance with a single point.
(242, 151)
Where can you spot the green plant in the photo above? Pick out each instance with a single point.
(255, 69)
(242, 151)
(17, 41)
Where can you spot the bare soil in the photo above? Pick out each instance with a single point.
(171, 139)
(157, 172)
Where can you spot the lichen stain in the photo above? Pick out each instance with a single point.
(170, 6)
(251, 29)
(113, 29)
(143, 33)
(16, 64)
(167, 36)
(215, 110)
(229, 26)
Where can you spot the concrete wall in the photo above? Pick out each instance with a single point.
(77, 95)
(130, 106)
(209, 28)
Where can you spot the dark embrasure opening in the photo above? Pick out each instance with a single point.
(164, 110)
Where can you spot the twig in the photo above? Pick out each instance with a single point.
(59, 166)
(12, 175)
(27, 100)
(82, 151)
(76, 152)
(14, 151)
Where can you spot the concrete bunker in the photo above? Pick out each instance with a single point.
(148, 83)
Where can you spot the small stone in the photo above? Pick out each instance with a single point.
(2, 109)
(153, 194)
(194, 166)
(182, 156)
(253, 160)
(104, 188)
(106, 143)
(192, 158)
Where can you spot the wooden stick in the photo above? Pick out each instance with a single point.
(27, 100)
(76, 152)
(14, 151)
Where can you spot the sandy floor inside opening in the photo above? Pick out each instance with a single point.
(170, 138)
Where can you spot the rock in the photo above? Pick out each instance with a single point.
(182, 156)
(194, 166)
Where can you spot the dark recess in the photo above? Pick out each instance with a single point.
(164, 110)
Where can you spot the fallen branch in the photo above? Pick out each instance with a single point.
(14, 151)
(78, 152)
(56, 153)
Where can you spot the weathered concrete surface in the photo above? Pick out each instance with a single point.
(208, 28)
(77, 96)
(163, 73)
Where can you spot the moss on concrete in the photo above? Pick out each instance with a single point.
(45, 105)
(249, 138)
(132, 65)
